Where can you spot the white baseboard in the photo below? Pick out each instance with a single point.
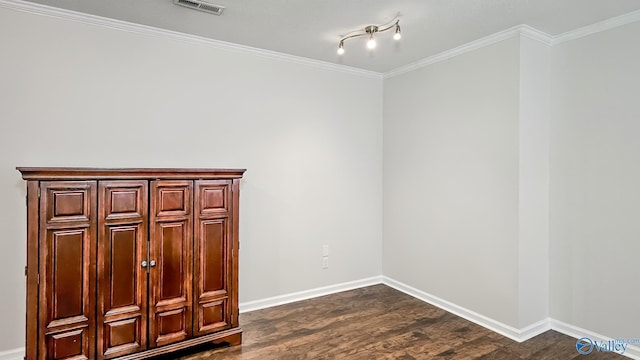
(15, 354)
(534, 329)
(518, 335)
(512, 333)
(307, 294)
(632, 352)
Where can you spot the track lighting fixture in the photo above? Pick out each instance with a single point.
(369, 31)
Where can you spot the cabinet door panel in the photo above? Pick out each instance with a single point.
(171, 249)
(122, 281)
(124, 260)
(213, 251)
(171, 260)
(123, 336)
(68, 249)
(67, 265)
(68, 345)
(211, 256)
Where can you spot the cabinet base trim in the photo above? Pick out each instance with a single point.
(232, 337)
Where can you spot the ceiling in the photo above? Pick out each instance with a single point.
(311, 29)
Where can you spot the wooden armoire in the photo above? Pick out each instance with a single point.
(130, 263)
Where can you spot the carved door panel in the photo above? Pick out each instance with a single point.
(122, 279)
(170, 314)
(212, 251)
(67, 270)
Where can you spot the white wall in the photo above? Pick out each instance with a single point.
(466, 181)
(595, 182)
(79, 95)
(469, 154)
(451, 180)
(533, 187)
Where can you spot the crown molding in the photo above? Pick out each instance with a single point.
(535, 34)
(470, 46)
(520, 30)
(607, 24)
(45, 10)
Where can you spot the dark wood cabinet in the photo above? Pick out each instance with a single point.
(212, 234)
(171, 265)
(67, 274)
(122, 247)
(130, 263)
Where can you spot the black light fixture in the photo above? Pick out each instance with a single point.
(369, 31)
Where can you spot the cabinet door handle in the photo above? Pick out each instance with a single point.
(152, 263)
(144, 263)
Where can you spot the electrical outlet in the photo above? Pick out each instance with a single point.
(325, 262)
(325, 250)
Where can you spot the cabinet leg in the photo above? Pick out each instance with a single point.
(232, 340)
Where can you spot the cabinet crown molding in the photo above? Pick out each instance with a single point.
(76, 173)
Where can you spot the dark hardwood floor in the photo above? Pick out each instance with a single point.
(378, 322)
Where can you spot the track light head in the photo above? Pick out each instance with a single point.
(371, 44)
(398, 34)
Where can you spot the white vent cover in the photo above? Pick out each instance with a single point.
(201, 5)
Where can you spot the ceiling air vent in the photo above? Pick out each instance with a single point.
(201, 5)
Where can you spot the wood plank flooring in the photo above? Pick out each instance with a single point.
(378, 322)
